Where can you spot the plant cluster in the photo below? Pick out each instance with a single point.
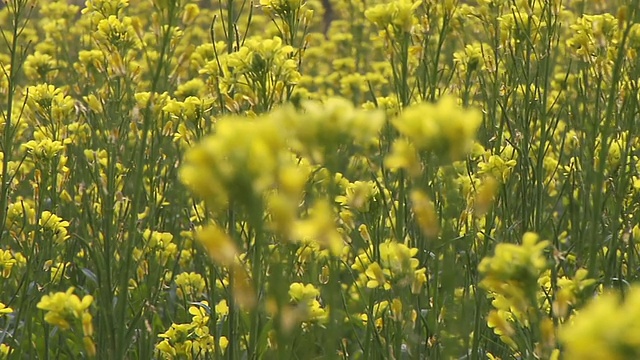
(319, 179)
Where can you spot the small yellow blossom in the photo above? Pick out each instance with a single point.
(301, 292)
(55, 226)
(7, 262)
(190, 284)
(377, 277)
(4, 309)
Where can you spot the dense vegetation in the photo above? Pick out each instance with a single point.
(337, 179)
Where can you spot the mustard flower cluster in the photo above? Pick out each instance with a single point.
(586, 338)
(319, 179)
(193, 340)
(66, 311)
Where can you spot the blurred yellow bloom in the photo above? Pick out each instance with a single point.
(335, 124)
(190, 13)
(486, 193)
(606, 328)
(471, 58)
(442, 127)
(218, 244)
(282, 5)
(515, 262)
(511, 277)
(320, 226)
(425, 213)
(240, 159)
(5, 350)
(404, 156)
(243, 288)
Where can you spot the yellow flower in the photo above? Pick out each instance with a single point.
(511, 276)
(43, 149)
(470, 59)
(425, 213)
(56, 226)
(190, 13)
(515, 262)
(64, 308)
(192, 89)
(190, 284)
(200, 313)
(223, 342)
(606, 328)
(594, 38)
(5, 350)
(222, 309)
(320, 226)
(358, 195)
(419, 279)
(57, 271)
(569, 291)
(317, 312)
(442, 127)
(282, 5)
(39, 65)
(240, 160)
(7, 262)
(497, 167)
(499, 321)
(4, 309)
(398, 257)
(404, 156)
(49, 102)
(108, 7)
(377, 277)
(364, 233)
(303, 293)
(218, 244)
(117, 33)
(399, 14)
(178, 340)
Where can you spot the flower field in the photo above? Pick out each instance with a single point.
(320, 179)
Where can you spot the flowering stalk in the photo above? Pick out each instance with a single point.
(19, 13)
